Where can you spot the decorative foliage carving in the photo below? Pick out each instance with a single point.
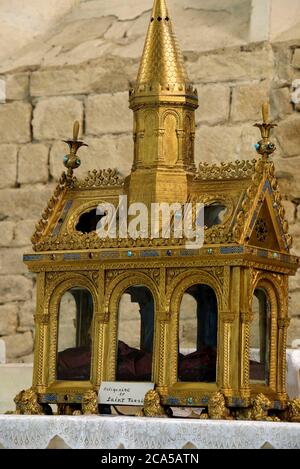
(101, 178)
(237, 170)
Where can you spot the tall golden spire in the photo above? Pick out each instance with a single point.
(162, 60)
(164, 102)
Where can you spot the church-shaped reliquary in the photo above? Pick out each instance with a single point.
(229, 295)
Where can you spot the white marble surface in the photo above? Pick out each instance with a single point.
(13, 378)
(109, 432)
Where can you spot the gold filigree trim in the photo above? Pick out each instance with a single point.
(236, 170)
(102, 178)
(43, 223)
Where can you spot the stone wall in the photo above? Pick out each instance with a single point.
(81, 70)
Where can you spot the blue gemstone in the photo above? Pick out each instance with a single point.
(129, 253)
(78, 162)
(257, 146)
(190, 400)
(169, 253)
(66, 159)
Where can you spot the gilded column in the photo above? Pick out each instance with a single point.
(244, 353)
(283, 324)
(227, 318)
(159, 134)
(180, 137)
(41, 318)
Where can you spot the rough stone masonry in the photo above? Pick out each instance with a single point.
(81, 68)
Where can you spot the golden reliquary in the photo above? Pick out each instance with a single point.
(229, 295)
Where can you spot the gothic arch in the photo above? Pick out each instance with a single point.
(270, 286)
(182, 283)
(113, 295)
(72, 280)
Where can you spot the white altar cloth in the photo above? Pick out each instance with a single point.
(109, 432)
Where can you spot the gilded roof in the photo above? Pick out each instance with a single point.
(162, 61)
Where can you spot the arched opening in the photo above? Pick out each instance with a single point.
(135, 335)
(88, 221)
(214, 214)
(198, 330)
(74, 335)
(260, 337)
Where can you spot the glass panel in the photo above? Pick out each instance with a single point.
(214, 214)
(260, 338)
(135, 335)
(74, 335)
(198, 335)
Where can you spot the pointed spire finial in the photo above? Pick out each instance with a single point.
(72, 161)
(265, 147)
(159, 9)
(162, 61)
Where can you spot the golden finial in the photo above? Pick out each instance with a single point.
(265, 147)
(72, 161)
(162, 61)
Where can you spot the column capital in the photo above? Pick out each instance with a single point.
(283, 322)
(246, 316)
(227, 316)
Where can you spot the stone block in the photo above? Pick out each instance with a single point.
(54, 118)
(283, 70)
(8, 318)
(23, 232)
(8, 161)
(15, 121)
(287, 171)
(288, 134)
(26, 359)
(18, 345)
(26, 313)
(281, 103)
(33, 164)
(217, 144)
(247, 101)
(296, 58)
(6, 233)
(108, 113)
(293, 331)
(294, 231)
(15, 288)
(290, 211)
(294, 282)
(111, 74)
(294, 303)
(11, 261)
(105, 152)
(2, 352)
(17, 86)
(25, 203)
(213, 104)
(232, 64)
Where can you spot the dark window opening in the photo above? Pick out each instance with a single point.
(135, 335)
(74, 335)
(198, 328)
(88, 221)
(260, 338)
(214, 214)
